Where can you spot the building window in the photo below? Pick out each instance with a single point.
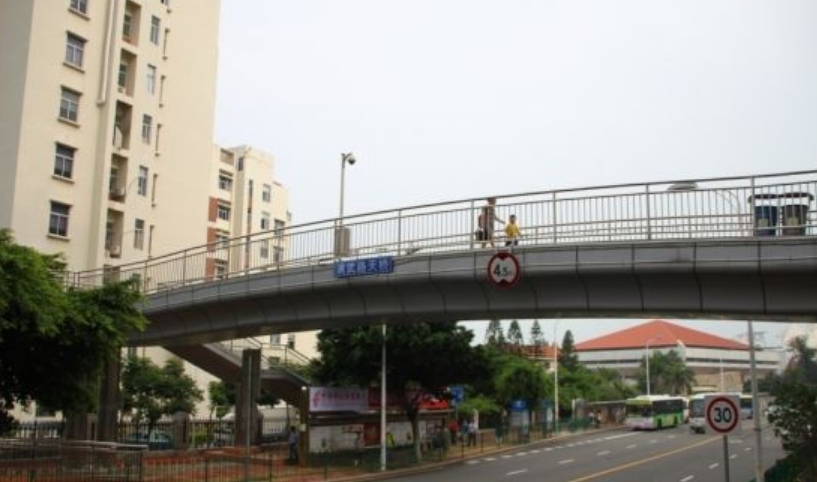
(147, 128)
(222, 239)
(122, 79)
(142, 181)
(166, 2)
(155, 28)
(225, 181)
(74, 50)
(221, 268)
(224, 212)
(64, 161)
(263, 251)
(266, 193)
(58, 222)
(265, 221)
(79, 5)
(69, 105)
(139, 234)
(151, 79)
(127, 26)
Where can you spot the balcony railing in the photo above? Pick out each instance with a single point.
(722, 208)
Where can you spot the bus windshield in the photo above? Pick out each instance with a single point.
(696, 407)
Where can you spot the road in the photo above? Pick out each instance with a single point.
(672, 455)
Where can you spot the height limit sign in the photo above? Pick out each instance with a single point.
(503, 269)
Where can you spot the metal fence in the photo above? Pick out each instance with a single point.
(55, 460)
(768, 205)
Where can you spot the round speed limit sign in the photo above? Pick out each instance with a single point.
(503, 270)
(722, 413)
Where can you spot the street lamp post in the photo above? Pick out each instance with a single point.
(345, 158)
(341, 238)
(647, 353)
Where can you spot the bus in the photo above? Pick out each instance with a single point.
(746, 406)
(648, 412)
(697, 418)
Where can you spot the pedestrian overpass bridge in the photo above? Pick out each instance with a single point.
(726, 248)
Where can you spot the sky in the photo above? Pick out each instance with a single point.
(452, 99)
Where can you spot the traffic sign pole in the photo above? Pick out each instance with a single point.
(723, 417)
(726, 457)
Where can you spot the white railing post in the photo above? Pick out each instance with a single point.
(184, 267)
(649, 214)
(399, 231)
(555, 223)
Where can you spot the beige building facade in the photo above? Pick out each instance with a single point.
(107, 132)
(106, 136)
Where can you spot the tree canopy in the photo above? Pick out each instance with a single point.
(567, 353)
(494, 335)
(70, 333)
(669, 374)
(420, 356)
(794, 413)
(148, 391)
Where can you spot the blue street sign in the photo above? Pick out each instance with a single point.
(457, 395)
(364, 267)
(518, 405)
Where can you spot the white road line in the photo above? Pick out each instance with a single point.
(602, 454)
(560, 446)
(687, 478)
(733, 456)
(748, 449)
(571, 445)
(535, 451)
(628, 434)
(654, 441)
(632, 446)
(567, 461)
(516, 472)
(714, 466)
(521, 454)
(507, 456)
(549, 449)
(472, 462)
(489, 459)
(671, 437)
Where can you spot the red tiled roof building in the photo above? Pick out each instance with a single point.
(718, 362)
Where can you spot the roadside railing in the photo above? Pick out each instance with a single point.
(756, 206)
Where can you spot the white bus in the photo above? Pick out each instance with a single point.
(697, 417)
(649, 412)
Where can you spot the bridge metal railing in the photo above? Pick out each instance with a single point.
(765, 205)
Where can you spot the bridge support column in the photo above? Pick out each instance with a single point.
(247, 416)
(109, 400)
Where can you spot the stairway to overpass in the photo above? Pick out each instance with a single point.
(223, 360)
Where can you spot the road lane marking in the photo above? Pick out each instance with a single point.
(643, 461)
(549, 449)
(748, 449)
(654, 441)
(472, 462)
(566, 461)
(603, 453)
(490, 459)
(733, 456)
(507, 456)
(516, 472)
(613, 437)
(521, 454)
(671, 437)
(535, 451)
(632, 446)
(714, 466)
(687, 478)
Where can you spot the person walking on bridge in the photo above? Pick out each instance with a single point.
(486, 221)
(512, 233)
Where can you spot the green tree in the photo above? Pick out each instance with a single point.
(70, 333)
(494, 335)
(568, 359)
(148, 391)
(794, 413)
(515, 338)
(668, 374)
(537, 339)
(520, 379)
(220, 398)
(420, 356)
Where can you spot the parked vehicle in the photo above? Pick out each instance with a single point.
(155, 440)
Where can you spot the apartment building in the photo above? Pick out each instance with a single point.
(107, 128)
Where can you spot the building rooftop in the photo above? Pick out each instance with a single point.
(659, 333)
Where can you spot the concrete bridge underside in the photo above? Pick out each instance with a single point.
(759, 278)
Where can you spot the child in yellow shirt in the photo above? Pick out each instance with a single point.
(512, 232)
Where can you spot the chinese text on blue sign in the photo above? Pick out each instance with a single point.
(364, 267)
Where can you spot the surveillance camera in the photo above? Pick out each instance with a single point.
(351, 160)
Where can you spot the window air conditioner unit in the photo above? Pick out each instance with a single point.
(116, 251)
